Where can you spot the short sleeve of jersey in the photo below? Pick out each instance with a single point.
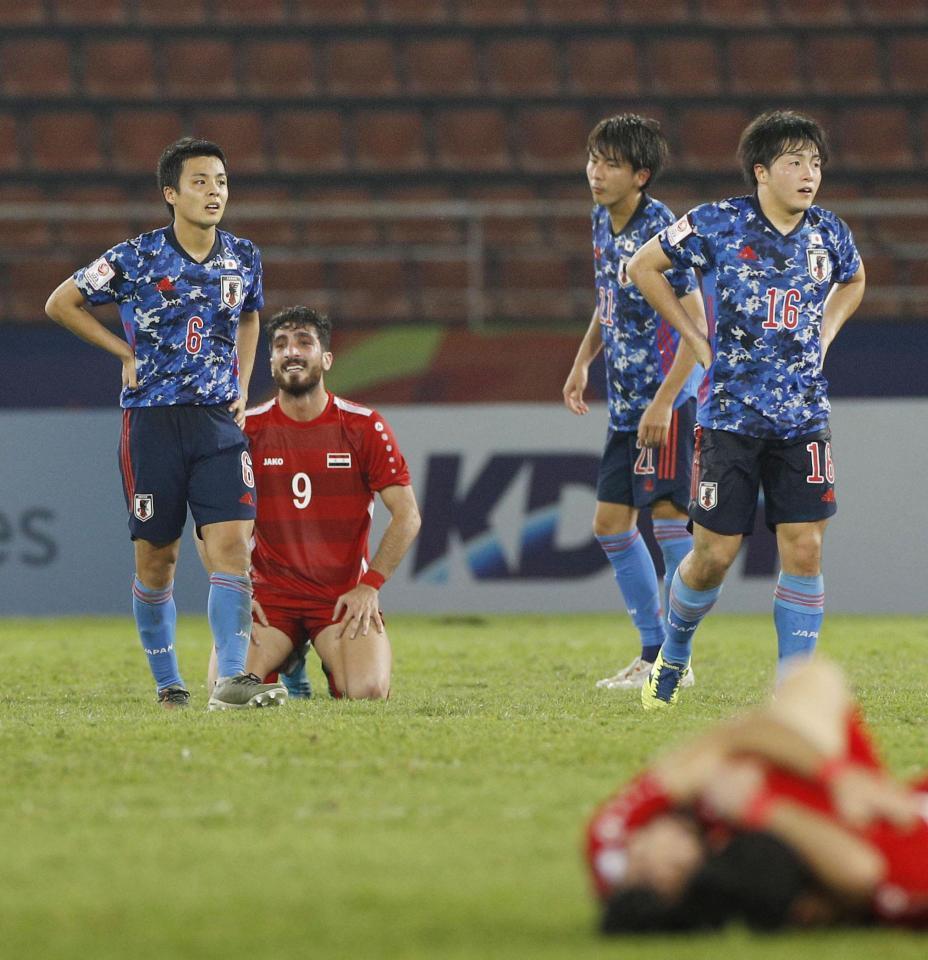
(384, 464)
(686, 242)
(846, 250)
(254, 299)
(108, 277)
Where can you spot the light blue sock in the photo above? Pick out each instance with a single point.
(675, 542)
(156, 619)
(637, 579)
(229, 612)
(685, 611)
(798, 611)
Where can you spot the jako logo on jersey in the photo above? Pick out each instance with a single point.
(143, 506)
(338, 461)
(231, 290)
(708, 495)
(273, 461)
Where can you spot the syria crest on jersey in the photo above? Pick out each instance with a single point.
(819, 264)
(143, 506)
(708, 494)
(231, 289)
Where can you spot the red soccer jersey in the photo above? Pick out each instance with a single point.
(316, 482)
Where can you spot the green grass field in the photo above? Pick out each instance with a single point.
(444, 823)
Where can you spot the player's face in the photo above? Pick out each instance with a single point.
(202, 192)
(663, 855)
(298, 360)
(612, 179)
(792, 180)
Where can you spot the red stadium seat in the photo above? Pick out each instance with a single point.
(427, 228)
(844, 64)
(443, 290)
(266, 12)
(66, 141)
(278, 68)
(601, 66)
(472, 138)
(654, 11)
(894, 11)
(308, 140)
(552, 139)
(138, 136)
(174, 12)
(389, 140)
(119, 68)
(683, 66)
(330, 11)
(240, 133)
(373, 291)
(96, 235)
(36, 67)
(414, 11)
(708, 137)
(18, 236)
(263, 229)
(493, 11)
(764, 65)
(572, 11)
(361, 67)
(31, 281)
(22, 12)
(521, 230)
(908, 63)
(444, 65)
(296, 280)
(814, 13)
(199, 68)
(96, 12)
(9, 142)
(734, 13)
(342, 231)
(522, 66)
(876, 137)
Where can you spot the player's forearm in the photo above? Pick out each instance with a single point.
(766, 738)
(590, 345)
(246, 344)
(656, 289)
(843, 862)
(843, 300)
(397, 539)
(62, 309)
(684, 359)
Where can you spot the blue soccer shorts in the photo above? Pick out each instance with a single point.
(639, 476)
(172, 457)
(797, 476)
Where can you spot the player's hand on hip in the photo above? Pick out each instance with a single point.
(237, 409)
(257, 612)
(361, 608)
(654, 425)
(573, 392)
(129, 376)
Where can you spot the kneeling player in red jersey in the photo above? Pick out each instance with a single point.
(783, 817)
(318, 461)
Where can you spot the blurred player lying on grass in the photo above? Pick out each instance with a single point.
(318, 462)
(782, 817)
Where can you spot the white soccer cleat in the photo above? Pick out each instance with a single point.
(633, 677)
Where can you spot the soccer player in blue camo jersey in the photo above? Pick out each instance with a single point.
(189, 296)
(651, 384)
(780, 277)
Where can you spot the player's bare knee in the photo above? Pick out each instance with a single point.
(368, 689)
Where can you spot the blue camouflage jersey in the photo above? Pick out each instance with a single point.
(765, 297)
(181, 317)
(639, 346)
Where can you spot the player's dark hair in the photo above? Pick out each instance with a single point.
(636, 140)
(171, 161)
(777, 132)
(301, 317)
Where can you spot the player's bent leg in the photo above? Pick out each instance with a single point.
(799, 599)
(269, 649)
(360, 666)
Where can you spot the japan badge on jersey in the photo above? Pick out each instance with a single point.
(819, 264)
(231, 289)
(99, 273)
